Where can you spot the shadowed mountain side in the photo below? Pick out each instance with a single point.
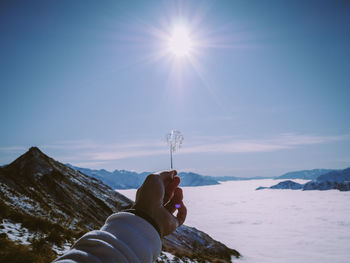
(59, 204)
(37, 185)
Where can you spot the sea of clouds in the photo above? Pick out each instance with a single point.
(273, 226)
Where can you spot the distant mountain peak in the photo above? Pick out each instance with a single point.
(47, 187)
(33, 161)
(34, 152)
(34, 149)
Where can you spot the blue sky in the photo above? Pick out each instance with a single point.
(265, 90)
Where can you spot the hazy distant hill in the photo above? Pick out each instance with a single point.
(234, 178)
(304, 174)
(118, 179)
(194, 179)
(338, 179)
(123, 179)
(46, 205)
(284, 185)
(335, 179)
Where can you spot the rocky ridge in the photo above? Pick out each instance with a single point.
(47, 199)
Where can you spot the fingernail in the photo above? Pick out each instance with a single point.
(177, 206)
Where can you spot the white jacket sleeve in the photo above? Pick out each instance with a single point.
(125, 238)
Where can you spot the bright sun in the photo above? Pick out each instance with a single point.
(180, 42)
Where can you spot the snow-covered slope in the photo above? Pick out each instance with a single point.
(51, 204)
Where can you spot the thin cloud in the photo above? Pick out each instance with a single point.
(88, 144)
(210, 145)
(85, 151)
(284, 141)
(126, 154)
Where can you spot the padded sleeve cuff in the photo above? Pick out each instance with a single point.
(137, 233)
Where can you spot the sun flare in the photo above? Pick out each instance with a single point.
(180, 42)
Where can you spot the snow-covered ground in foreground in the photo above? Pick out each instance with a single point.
(273, 226)
(21, 235)
(16, 232)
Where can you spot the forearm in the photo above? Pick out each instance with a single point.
(125, 238)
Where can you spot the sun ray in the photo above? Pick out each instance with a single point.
(179, 40)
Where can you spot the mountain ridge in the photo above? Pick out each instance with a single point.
(335, 179)
(57, 204)
(124, 179)
(304, 174)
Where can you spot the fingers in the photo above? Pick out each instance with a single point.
(170, 223)
(170, 189)
(182, 213)
(177, 198)
(159, 197)
(167, 176)
(177, 203)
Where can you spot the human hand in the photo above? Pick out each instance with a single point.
(159, 197)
